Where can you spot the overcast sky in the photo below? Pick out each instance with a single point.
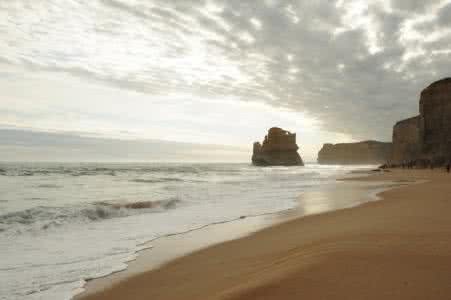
(218, 72)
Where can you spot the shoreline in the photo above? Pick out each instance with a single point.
(396, 248)
(166, 249)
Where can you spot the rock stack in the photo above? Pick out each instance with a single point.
(279, 148)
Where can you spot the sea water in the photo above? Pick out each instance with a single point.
(61, 224)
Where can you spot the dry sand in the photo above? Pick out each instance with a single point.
(397, 248)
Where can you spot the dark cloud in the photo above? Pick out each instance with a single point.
(414, 6)
(444, 17)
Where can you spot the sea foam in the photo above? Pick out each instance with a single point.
(63, 223)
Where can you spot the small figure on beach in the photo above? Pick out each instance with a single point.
(448, 167)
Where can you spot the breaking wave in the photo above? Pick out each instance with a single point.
(44, 217)
(157, 180)
(166, 204)
(49, 186)
(167, 171)
(92, 170)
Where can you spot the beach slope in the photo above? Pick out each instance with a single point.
(396, 248)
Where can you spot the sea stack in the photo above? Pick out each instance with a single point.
(279, 148)
(362, 153)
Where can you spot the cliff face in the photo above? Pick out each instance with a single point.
(406, 140)
(426, 139)
(435, 114)
(279, 148)
(368, 152)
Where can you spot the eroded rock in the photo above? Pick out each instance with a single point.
(406, 140)
(435, 118)
(279, 148)
(425, 140)
(367, 152)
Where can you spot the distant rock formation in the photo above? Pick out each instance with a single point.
(278, 149)
(367, 152)
(406, 144)
(426, 139)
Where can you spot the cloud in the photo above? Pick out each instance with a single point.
(413, 6)
(444, 17)
(356, 66)
(40, 101)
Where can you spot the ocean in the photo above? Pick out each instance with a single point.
(61, 224)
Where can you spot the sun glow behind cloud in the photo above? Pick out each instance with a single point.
(125, 114)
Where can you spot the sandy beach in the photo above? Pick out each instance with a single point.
(395, 248)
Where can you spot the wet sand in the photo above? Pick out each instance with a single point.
(396, 248)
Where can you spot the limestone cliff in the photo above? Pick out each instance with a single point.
(435, 118)
(279, 148)
(426, 139)
(368, 152)
(406, 144)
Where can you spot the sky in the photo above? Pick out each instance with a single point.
(210, 75)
